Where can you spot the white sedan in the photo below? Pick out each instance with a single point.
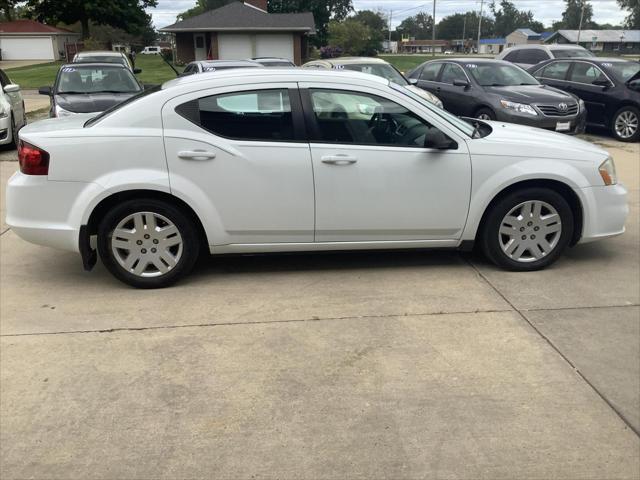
(12, 112)
(244, 161)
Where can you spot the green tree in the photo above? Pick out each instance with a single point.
(128, 15)
(633, 19)
(203, 6)
(571, 16)
(455, 26)
(378, 28)
(351, 35)
(323, 12)
(508, 18)
(418, 26)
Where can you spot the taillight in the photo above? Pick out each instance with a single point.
(33, 160)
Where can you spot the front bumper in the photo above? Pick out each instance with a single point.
(577, 122)
(605, 212)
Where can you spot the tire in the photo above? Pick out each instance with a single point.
(174, 242)
(485, 114)
(625, 125)
(513, 242)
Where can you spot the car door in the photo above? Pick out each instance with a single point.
(456, 99)
(581, 77)
(375, 180)
(428, 79)
(554, 74)
(242, 151)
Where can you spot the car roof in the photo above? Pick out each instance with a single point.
(281, 74)
(228, 63)
(354, 60)
(475, 60)
(99, 53)
(93, 65)
(278, 59)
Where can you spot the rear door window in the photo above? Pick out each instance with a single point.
(261, 115)
(555, 71)
(430, 72)
(531, 56)
(512, 56)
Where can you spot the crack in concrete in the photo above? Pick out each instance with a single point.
(4, 231)
(562, 355)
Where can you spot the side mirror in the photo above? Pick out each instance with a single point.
(461, 83)
(438, 140)
(137, 70)
(634, 85)
(44, 91)
(602, 83)
(11, 87)
(413, 81)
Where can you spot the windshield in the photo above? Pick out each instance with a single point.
(572, 53)
(79, 79)
(378, 69)
(463, 126)
(497, 75)
(623, 70)
(118, 106)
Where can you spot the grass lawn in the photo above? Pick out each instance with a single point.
(154, 70)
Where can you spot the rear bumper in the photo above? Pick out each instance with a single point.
(605, 213)
(47, 212)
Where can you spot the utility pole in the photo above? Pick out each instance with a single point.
(479, 26)
(390, 18)
(433, 31)
(464, 32)
(580, 26)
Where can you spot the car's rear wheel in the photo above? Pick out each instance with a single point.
(485, 114)
(528, 229)
(626, 124)
(148, 243)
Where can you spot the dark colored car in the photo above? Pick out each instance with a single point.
(90, 88)
(201, 66)
(497, 90)
(609, 87)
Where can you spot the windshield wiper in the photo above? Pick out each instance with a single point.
(72, 92)
(116, 91)
(495, 85)
(528, 84)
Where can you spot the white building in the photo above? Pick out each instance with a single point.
(31, 40)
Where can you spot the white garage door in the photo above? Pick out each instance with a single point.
(277, 45)
(27, 48)
(234, 47)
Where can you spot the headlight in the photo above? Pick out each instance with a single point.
(518, 107)
(61, 112)
(581, 107)
(608, 172)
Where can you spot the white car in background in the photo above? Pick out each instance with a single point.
(13, 115)
(105, 56)
(281, 160)
(151, 51)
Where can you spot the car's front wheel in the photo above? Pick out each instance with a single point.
(528, 229)
(626, 124)
(148, 243)
(485, 114)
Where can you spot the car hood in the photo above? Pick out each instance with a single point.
(90, 102)
(530, 93)
(521, 142)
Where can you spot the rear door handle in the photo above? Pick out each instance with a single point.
(338, 159)
(196, 155)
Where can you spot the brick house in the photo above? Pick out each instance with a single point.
(241, 30)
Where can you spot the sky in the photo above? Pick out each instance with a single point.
(546, 11)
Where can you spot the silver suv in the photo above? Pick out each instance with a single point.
(526, 56)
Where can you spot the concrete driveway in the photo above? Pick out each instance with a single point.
(350, 365)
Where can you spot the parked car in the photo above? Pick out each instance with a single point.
(150, 51)
(497, 90)
(274, 62)
(250, 161)
(609, 87)
(105, 57)
(528, 55)
(13, 115)
(90, 88)
(373, 66)
(201, 66)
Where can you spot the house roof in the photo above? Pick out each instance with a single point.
(528, 32)
(604, 36)
(31, 27)
(238, 16)
(493, 41)
(545, 35)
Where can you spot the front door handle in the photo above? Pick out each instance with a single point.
(196, 155)
(338, 159)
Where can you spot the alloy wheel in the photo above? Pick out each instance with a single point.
(484, 116)
(530, 231)
(626, 124)
(146, 244)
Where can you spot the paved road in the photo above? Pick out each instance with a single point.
(351, 365)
